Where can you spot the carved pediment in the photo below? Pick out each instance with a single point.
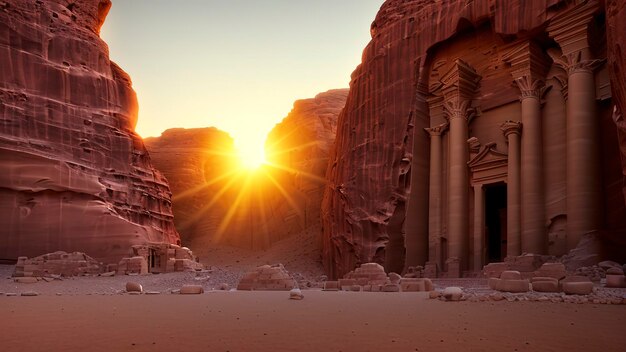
(489, 165)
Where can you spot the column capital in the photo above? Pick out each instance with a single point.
(570, 28)
(437, 130)
(574, 62)
(530, 87)
(456, 109)
(511, 127)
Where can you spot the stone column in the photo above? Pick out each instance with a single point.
(533, 238)
(435, 193)
(512, 130)
(528, 68)
(584, 191)
(479, 226)
(459, 88)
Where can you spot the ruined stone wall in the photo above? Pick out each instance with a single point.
(75, 176)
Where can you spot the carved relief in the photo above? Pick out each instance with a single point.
(437, 130)
(511, 127)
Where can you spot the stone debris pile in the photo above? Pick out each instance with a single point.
(371, 277)
(267, 278)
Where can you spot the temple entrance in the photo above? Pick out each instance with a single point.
(495, 222)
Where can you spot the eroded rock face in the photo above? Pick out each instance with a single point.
(380, 163)
(299, 147)
(195, 162)
(616, 33)
(281, 199)
(75, 176)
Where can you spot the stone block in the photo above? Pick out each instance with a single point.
(331, 286)
(25, 280)
(510, 275)
(545, 286)
(191, 290)
(493, 283)
(577, 288)
(614, 271)
(374, 266)
(513, 286)
(544, 278)
(355, 288)
(452, 293)
(133, 287)
(554, 270)
(394, 278)
(575, 278)
(494, 269)
(345, 284)
(616, 281)
(391, 288)
(296, 294)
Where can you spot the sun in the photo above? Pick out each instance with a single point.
(251, 157)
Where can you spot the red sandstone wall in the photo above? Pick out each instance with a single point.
(75, 176)
(378, 137)
(616, 34)
(194, 161)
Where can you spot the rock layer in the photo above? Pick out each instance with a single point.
(75, 176)
(380, 163)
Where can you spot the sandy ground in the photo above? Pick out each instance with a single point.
(323, 321)
(300, 254)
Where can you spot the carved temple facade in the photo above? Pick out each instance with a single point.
(522, 144)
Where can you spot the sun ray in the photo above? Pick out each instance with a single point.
(216, 197)
(232, 209)
(261, 205)
(201, 187)
(285, 151)
(304, 173)
(286, 195)
(273, 144)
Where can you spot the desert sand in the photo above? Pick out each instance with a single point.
(332, 321)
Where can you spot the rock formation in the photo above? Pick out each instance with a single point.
(616, 33)
(488, 178)
(195, 162)
(285, 198)
(75, 176)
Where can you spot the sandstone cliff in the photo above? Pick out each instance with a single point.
(75, 176)
(217, 202)
(380, 161)
(196, 163)
(299, 147)
(616, 32)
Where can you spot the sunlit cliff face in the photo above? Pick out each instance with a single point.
(249, 192)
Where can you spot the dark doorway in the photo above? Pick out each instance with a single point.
(495, 222)
(154, 261)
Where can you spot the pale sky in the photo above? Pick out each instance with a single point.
(237, 65)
